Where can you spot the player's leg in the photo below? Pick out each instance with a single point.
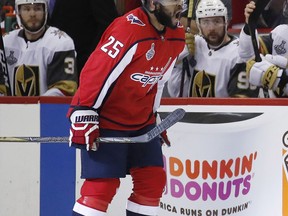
(96, 195)
(148, 186)
(102, 170)
(148, 176)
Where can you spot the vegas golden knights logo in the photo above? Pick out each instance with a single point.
(26, 81)
(203, 85)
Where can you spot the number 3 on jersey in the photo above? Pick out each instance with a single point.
(112, 48)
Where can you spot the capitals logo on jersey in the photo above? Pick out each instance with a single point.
(134, 20)
(26, 81)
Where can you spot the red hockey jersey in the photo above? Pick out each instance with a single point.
(124, 77)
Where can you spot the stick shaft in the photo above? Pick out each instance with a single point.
(252, 24)
(170, 120)
(189, 15)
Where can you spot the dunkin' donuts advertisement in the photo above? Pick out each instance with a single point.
(229, 161)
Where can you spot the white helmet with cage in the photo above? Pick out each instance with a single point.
(211, 8)
(18, 3)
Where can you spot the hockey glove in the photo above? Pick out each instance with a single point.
(84, 129)
(263, 74)
(277, 60)
(163, 136)
(190, 42)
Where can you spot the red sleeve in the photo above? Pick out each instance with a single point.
(111, 49)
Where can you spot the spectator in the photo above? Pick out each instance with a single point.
(85, 21)
(119, 93)
(217, 70)
(5, 3)
(271, 72)
(40, 59)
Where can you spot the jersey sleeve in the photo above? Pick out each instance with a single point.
(266, 43)
(61, 69)
(62, 72)
(246, 50)
(106, 63)
(238, 85)
(178, 84)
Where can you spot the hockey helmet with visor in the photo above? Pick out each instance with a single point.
(211, 8)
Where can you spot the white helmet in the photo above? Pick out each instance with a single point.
(21, 2)
(211, 8)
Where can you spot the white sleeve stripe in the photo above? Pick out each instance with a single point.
(115, 74)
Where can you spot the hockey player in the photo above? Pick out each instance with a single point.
(119, 93)
(271, 72)
(218, 72)
(40, 58)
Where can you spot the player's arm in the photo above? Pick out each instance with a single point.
(238, 85)
(245, 50)
(62, 73)
(107, 62)
(178, 84)
(273, 76)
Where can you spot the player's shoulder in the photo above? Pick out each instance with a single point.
(282, 27)
(57, 39)
(57, 34)
(10, 36)
(234, 41)
(280, 30)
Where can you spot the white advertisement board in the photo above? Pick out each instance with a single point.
(227, 160)
(224, 161)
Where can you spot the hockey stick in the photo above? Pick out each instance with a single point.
(170, 120)
(252, 24)
(192, 60)
(4, 68)
(190, 15)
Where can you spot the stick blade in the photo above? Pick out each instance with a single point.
(167, 122)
